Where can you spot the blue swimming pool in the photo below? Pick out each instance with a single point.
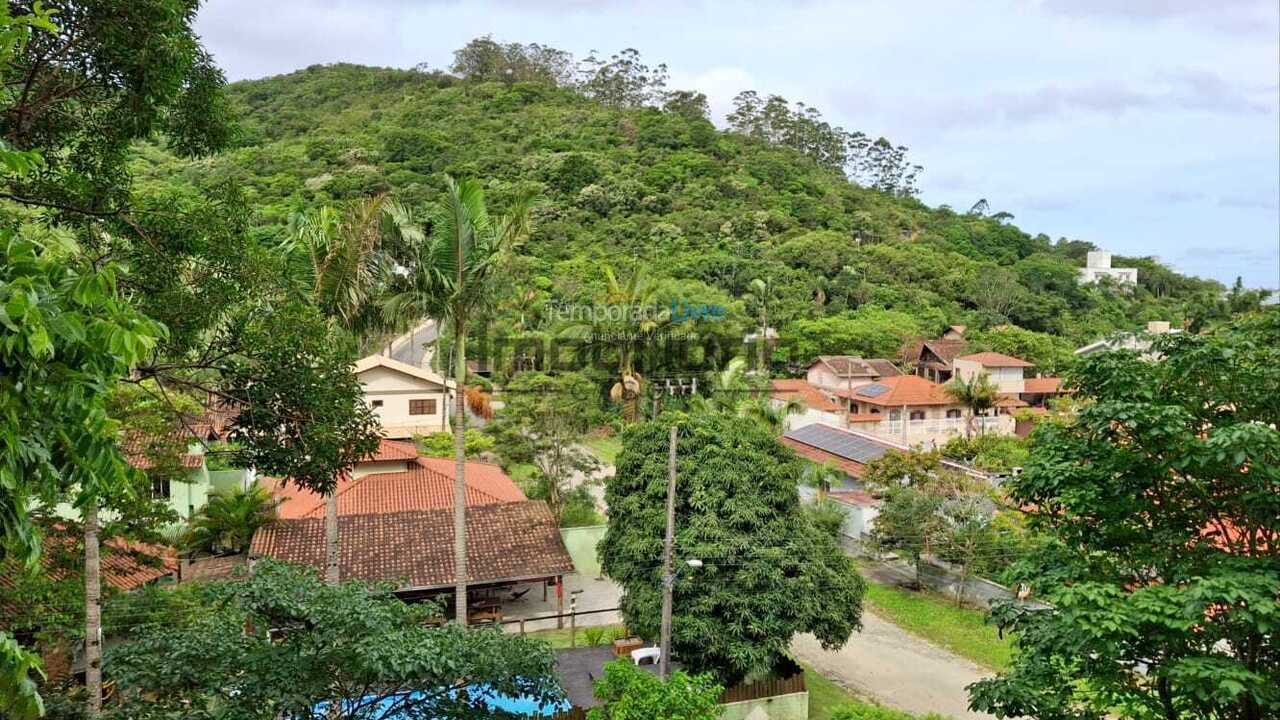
(495, 701)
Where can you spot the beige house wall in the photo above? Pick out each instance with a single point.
(393, 390)
(1006, 379)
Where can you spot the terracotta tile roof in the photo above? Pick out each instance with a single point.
(391, 450)
(996, 360)
(946, 350)
(125, 565)
(137, 447)
(802, 390)
(849, 366)
(866, 417)
(420, 487)
(484, 477)
(822, 457)
(414, 550)
(902, 390)
(1042, 385)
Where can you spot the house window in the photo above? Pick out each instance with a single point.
(161, 489)
(895, 415)
(376, 403)
(422, 407)
(917, 414)
(875, 411)
(953, 414)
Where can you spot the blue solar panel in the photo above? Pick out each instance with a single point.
(873, 390)
(839, 443)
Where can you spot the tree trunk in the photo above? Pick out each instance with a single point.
(92, 614)
(331, 573)
(460, 482)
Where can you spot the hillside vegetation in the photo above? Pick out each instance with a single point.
(645, 183)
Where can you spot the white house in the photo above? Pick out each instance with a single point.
(1130, 341)
(408, 400)
(1097, 264)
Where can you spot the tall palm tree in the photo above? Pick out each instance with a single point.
(450, 275)
(763, 292)
(346, 249)
(977, 393)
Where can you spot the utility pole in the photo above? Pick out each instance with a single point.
(848, 392)
(668, 575)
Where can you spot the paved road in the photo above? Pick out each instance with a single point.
(897, 669)
(414, 347)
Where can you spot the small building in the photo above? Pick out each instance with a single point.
(508, 544)
(408, 400)
(914, 411)
(1098, 265)
(842, 372)
(1007, 373)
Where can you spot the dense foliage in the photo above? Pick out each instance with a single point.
(626, 180)
(632, 693)
(280, 643)
(1163, 500)
(738, 512)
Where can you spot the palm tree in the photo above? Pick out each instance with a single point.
(346, 249)
(822, 477)
(977, 393)
(733, 390)
(229, 520)
(762, 292)
(450, 275)
(771, 416)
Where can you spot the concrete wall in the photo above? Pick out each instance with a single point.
(581, 543)
(780, 707)
(1006, 379)
(808, 417)
(935, 430)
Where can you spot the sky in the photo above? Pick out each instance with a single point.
(1148, 127)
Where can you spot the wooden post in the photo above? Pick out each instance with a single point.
(560, 603)
(668, 547)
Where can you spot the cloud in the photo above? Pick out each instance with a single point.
(1243, 17)
(1183, 89)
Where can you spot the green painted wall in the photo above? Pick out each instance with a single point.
(581, 543)
(781, 707)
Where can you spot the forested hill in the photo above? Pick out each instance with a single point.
(656, 188)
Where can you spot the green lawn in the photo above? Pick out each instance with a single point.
(605, 448)
(961, 630)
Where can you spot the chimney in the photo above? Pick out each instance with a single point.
(1158, 327)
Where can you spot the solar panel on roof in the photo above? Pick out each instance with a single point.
(873, 390)
(838, 443)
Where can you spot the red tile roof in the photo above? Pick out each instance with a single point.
(420, 487)
(1042, 385)
(485, 477)
(1008, 401)
(802, 390)
(946, 350)
(392, 450)
(125, 565)
(996, 360)
(903, 390)
(505, 542)
(867, 417)
(138, 448)
(850, 366)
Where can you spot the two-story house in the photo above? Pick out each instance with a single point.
(408, 400)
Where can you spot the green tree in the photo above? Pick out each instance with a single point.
(475, 442)
(630, 693)
(543, 423)
(281, 643)
(1161, 497)
(867, 332)
(228, 520)
(736, 510)
(452, 275)
(349, 265)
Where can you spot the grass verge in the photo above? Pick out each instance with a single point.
(962, 630)
(605, 448)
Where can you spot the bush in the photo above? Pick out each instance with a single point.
(440, 444)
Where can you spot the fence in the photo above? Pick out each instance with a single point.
(789, 678)
(523, 624)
